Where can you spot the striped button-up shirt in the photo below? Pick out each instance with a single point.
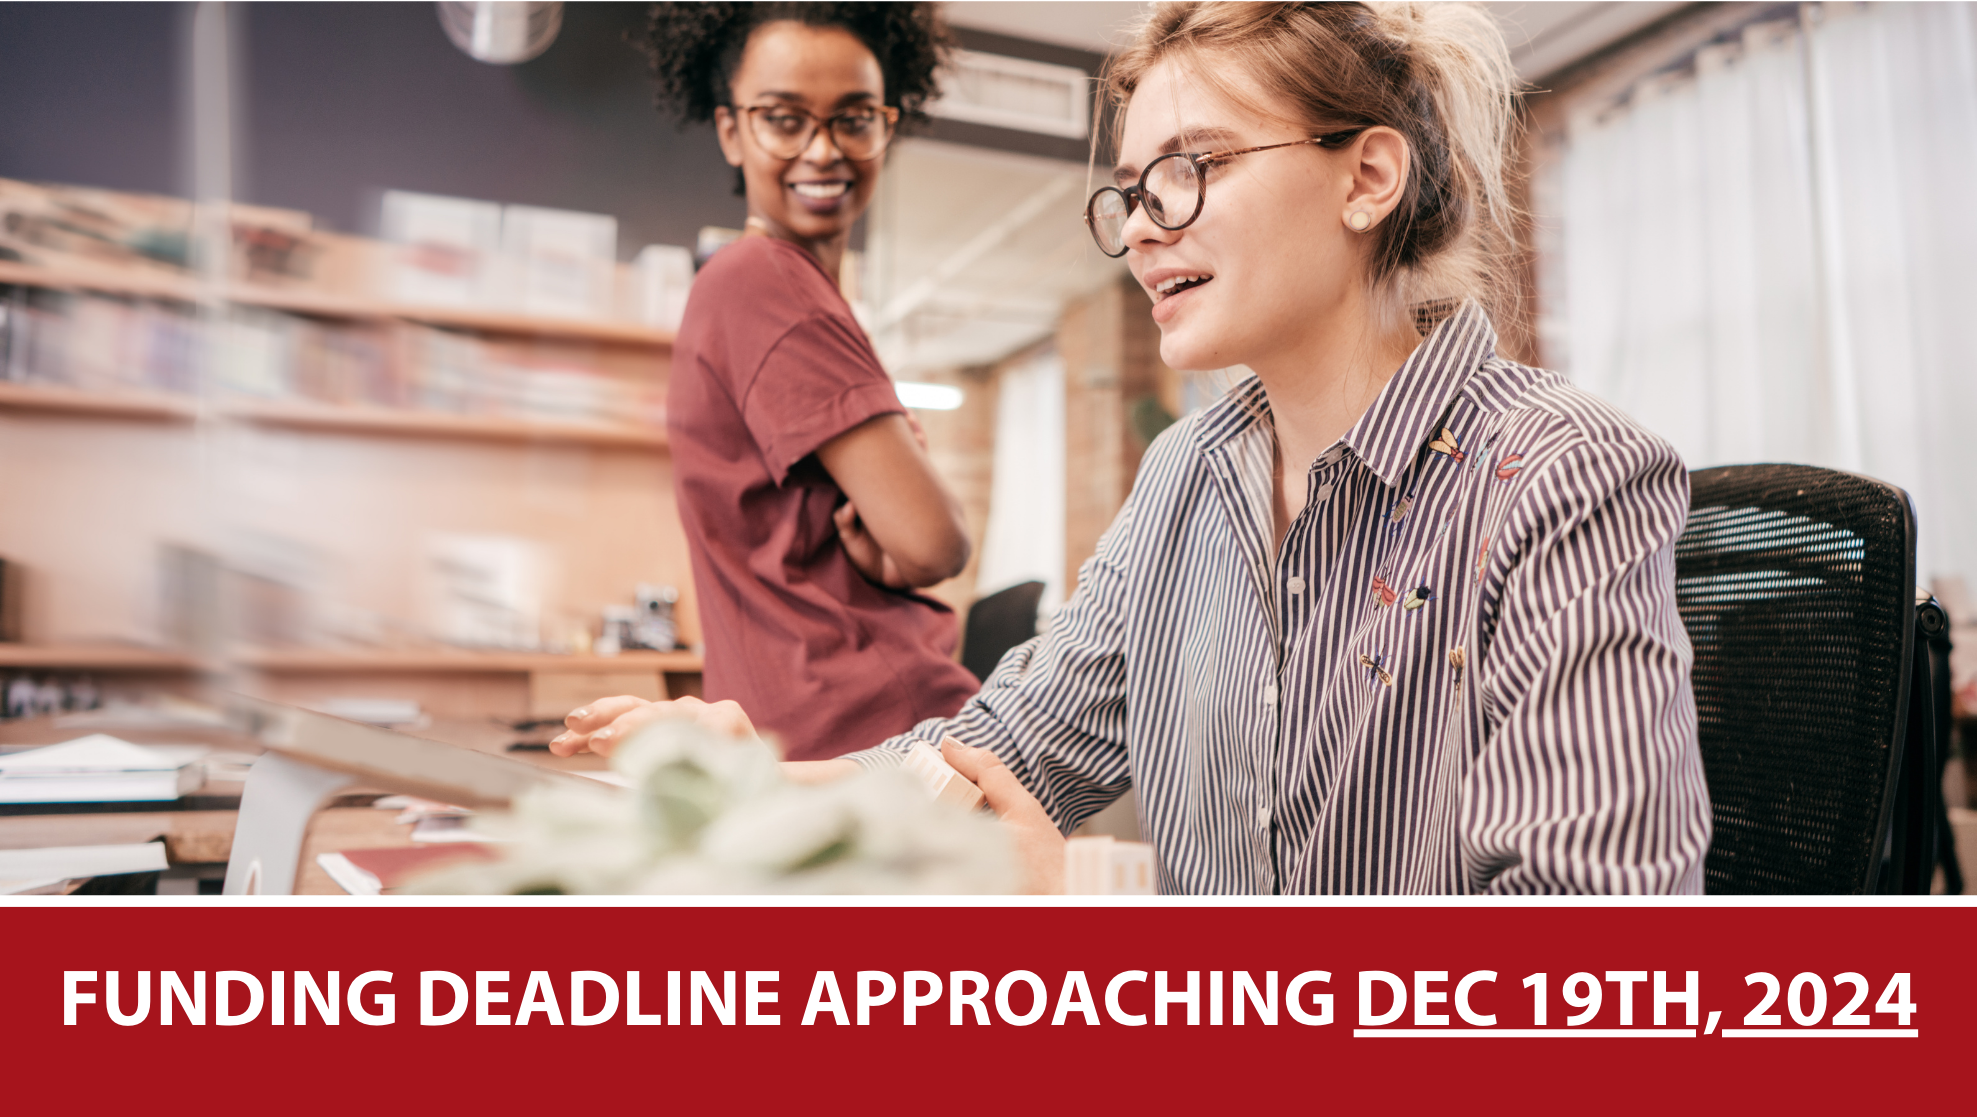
(1461, 671)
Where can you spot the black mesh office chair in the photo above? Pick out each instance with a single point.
(1797, 586)
(997, 623)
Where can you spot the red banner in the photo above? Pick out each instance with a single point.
(984, 1009)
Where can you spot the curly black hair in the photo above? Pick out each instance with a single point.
(693, 49)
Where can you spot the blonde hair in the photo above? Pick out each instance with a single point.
(1437, 73)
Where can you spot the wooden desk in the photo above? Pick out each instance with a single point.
(206, 837)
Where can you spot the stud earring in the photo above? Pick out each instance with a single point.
(1359, 221)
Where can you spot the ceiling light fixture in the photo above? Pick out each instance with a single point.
(501, 33)
(928, 397)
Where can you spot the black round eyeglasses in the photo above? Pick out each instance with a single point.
(1173, 188)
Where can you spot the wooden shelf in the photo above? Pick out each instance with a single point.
(95, 657)
(85, 401)
(351, 419)
(159, 285)
(311, 662)
(309, 415)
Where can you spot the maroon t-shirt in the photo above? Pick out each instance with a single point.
(769, 366)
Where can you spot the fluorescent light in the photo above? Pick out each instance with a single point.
(928, 397)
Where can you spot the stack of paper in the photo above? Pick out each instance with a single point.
(100, 769)
(28, 871)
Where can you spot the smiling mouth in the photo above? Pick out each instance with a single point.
(822, 191)
(1177, 284)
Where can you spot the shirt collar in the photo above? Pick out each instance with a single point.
(1239, 409)
(1405, 415)
(1410, 410)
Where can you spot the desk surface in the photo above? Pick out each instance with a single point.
(206, 837)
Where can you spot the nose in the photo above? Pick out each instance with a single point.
(1139, 231)
(823, 150)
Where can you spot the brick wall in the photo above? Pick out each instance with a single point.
(1114, 387)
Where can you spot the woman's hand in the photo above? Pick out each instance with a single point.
(919, 432)
(608, 722)
(1039, 843)
(864, 551)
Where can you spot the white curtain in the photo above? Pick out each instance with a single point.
(1771, 255)
(1025, 536)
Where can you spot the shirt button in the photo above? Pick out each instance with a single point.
(1270, 694)
(1324, 492)
(1263, 817)
(1296, 584)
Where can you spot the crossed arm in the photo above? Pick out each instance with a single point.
(900, 525)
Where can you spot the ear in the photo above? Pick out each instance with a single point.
(1379, 162)
(727, 128)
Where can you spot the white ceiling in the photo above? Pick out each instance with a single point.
(971, 254)
(1086, 25)
(1543, 37)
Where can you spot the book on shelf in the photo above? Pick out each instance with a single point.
(100, 768)
(58, 226)
(276, 349)
(98, 343)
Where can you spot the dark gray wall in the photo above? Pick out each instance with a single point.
(350, 99)
(88, 94)
(343, 101)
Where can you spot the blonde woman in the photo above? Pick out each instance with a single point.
(1397, 614)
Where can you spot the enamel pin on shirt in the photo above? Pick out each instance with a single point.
(1509, 467)
(1379, 672)
(1446, 444)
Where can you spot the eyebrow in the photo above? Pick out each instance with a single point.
(1196, 138)
(852, 98)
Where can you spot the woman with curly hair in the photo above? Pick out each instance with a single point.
(811, 510)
